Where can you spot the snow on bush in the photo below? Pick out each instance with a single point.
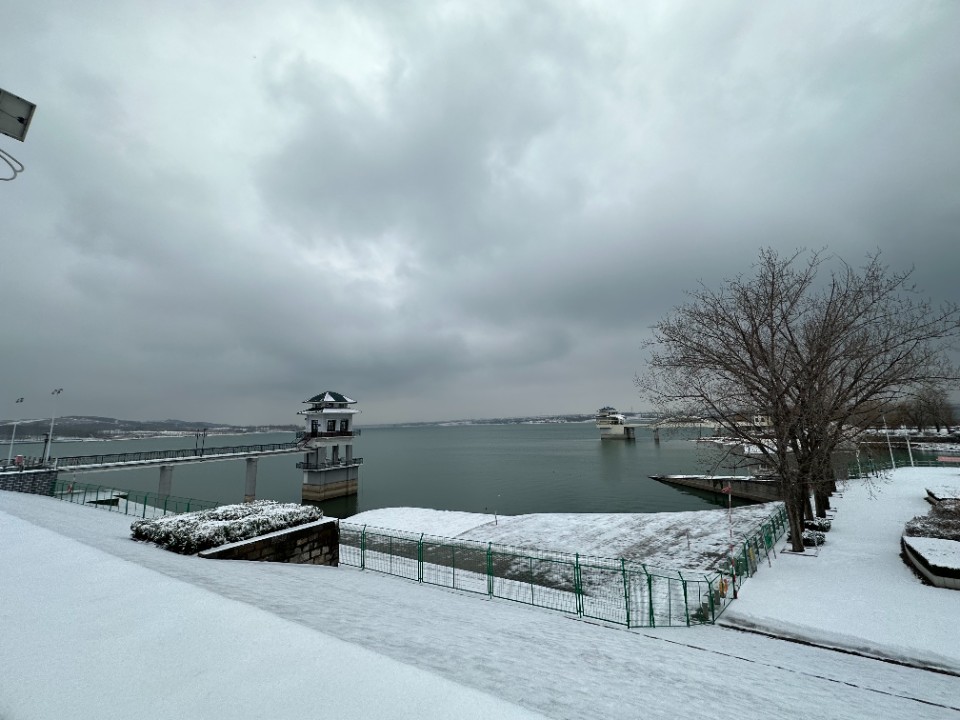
(813, 538)
(942, 522)
(194, 532)
(821, 524)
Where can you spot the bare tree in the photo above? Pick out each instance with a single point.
(928, 407)
(819, 358)
(936, 404)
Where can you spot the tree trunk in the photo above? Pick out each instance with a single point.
(821, 500)
(793, 500)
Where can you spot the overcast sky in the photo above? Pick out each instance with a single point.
(442, 209)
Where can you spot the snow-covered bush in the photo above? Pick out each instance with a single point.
(813, 538)
(942, 522)
(193, 532)
(821, 524)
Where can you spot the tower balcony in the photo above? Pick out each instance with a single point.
(308, 435)
(329, 464)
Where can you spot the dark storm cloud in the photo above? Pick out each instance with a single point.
(444, 210)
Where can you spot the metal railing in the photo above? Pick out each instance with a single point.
(126, 502)
(758, 545)
(158, 455)
(342, 462)
(870, 466)
(618, 591)
(306, 435)
(20, 462)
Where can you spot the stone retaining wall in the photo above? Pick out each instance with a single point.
(27, 481)
(316, 543)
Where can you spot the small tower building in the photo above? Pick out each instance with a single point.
(329, 468)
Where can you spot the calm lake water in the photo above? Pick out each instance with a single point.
(508, 469)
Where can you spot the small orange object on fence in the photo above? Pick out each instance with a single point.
(949, 458)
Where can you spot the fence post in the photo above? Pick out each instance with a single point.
(363, 547)
(626, 589)
(577, 588)
(653, 622)
(533, 598)
(713, 609)
(490, 569)
(686, 606)
(420, 559)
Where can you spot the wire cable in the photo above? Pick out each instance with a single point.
(13, 163)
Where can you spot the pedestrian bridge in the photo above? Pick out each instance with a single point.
(163, 459)
(123, 461)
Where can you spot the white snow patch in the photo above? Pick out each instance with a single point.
(856, 592)
(697, 540)
(128, 630)
(442, 523)
(937, 552)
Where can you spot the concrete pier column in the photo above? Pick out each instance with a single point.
(166, 479)
(250, 489)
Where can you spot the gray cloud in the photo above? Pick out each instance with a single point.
(443, 210)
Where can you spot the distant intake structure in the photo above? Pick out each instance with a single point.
(613, 425)
(329, 468)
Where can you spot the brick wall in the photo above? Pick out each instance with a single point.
(36, 483)
(316, 543)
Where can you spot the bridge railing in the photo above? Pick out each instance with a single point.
(126, 502)
(154, 455)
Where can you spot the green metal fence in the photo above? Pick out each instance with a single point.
(127, 502)
(757, 546)
(869, 466)
(618, 591)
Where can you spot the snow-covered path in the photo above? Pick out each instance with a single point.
(560, 667)
(858, 594)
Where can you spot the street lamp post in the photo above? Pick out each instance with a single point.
(13, 437)
(46, 453)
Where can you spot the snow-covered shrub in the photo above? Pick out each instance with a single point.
(821, 524)
(813, 538)
(190, 533)
(942, 522)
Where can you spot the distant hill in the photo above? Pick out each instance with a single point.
(106, 428)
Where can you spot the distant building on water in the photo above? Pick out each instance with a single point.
(330, 469)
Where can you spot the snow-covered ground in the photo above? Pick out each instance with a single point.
(95, 625)
(698, 540)
(857, 593)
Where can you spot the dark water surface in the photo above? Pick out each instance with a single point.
(508, 469)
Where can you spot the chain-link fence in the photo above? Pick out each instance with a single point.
(613, 590)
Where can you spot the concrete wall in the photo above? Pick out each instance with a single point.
(756, 490)
(311, 492)
(36, 483)
(316, 543)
